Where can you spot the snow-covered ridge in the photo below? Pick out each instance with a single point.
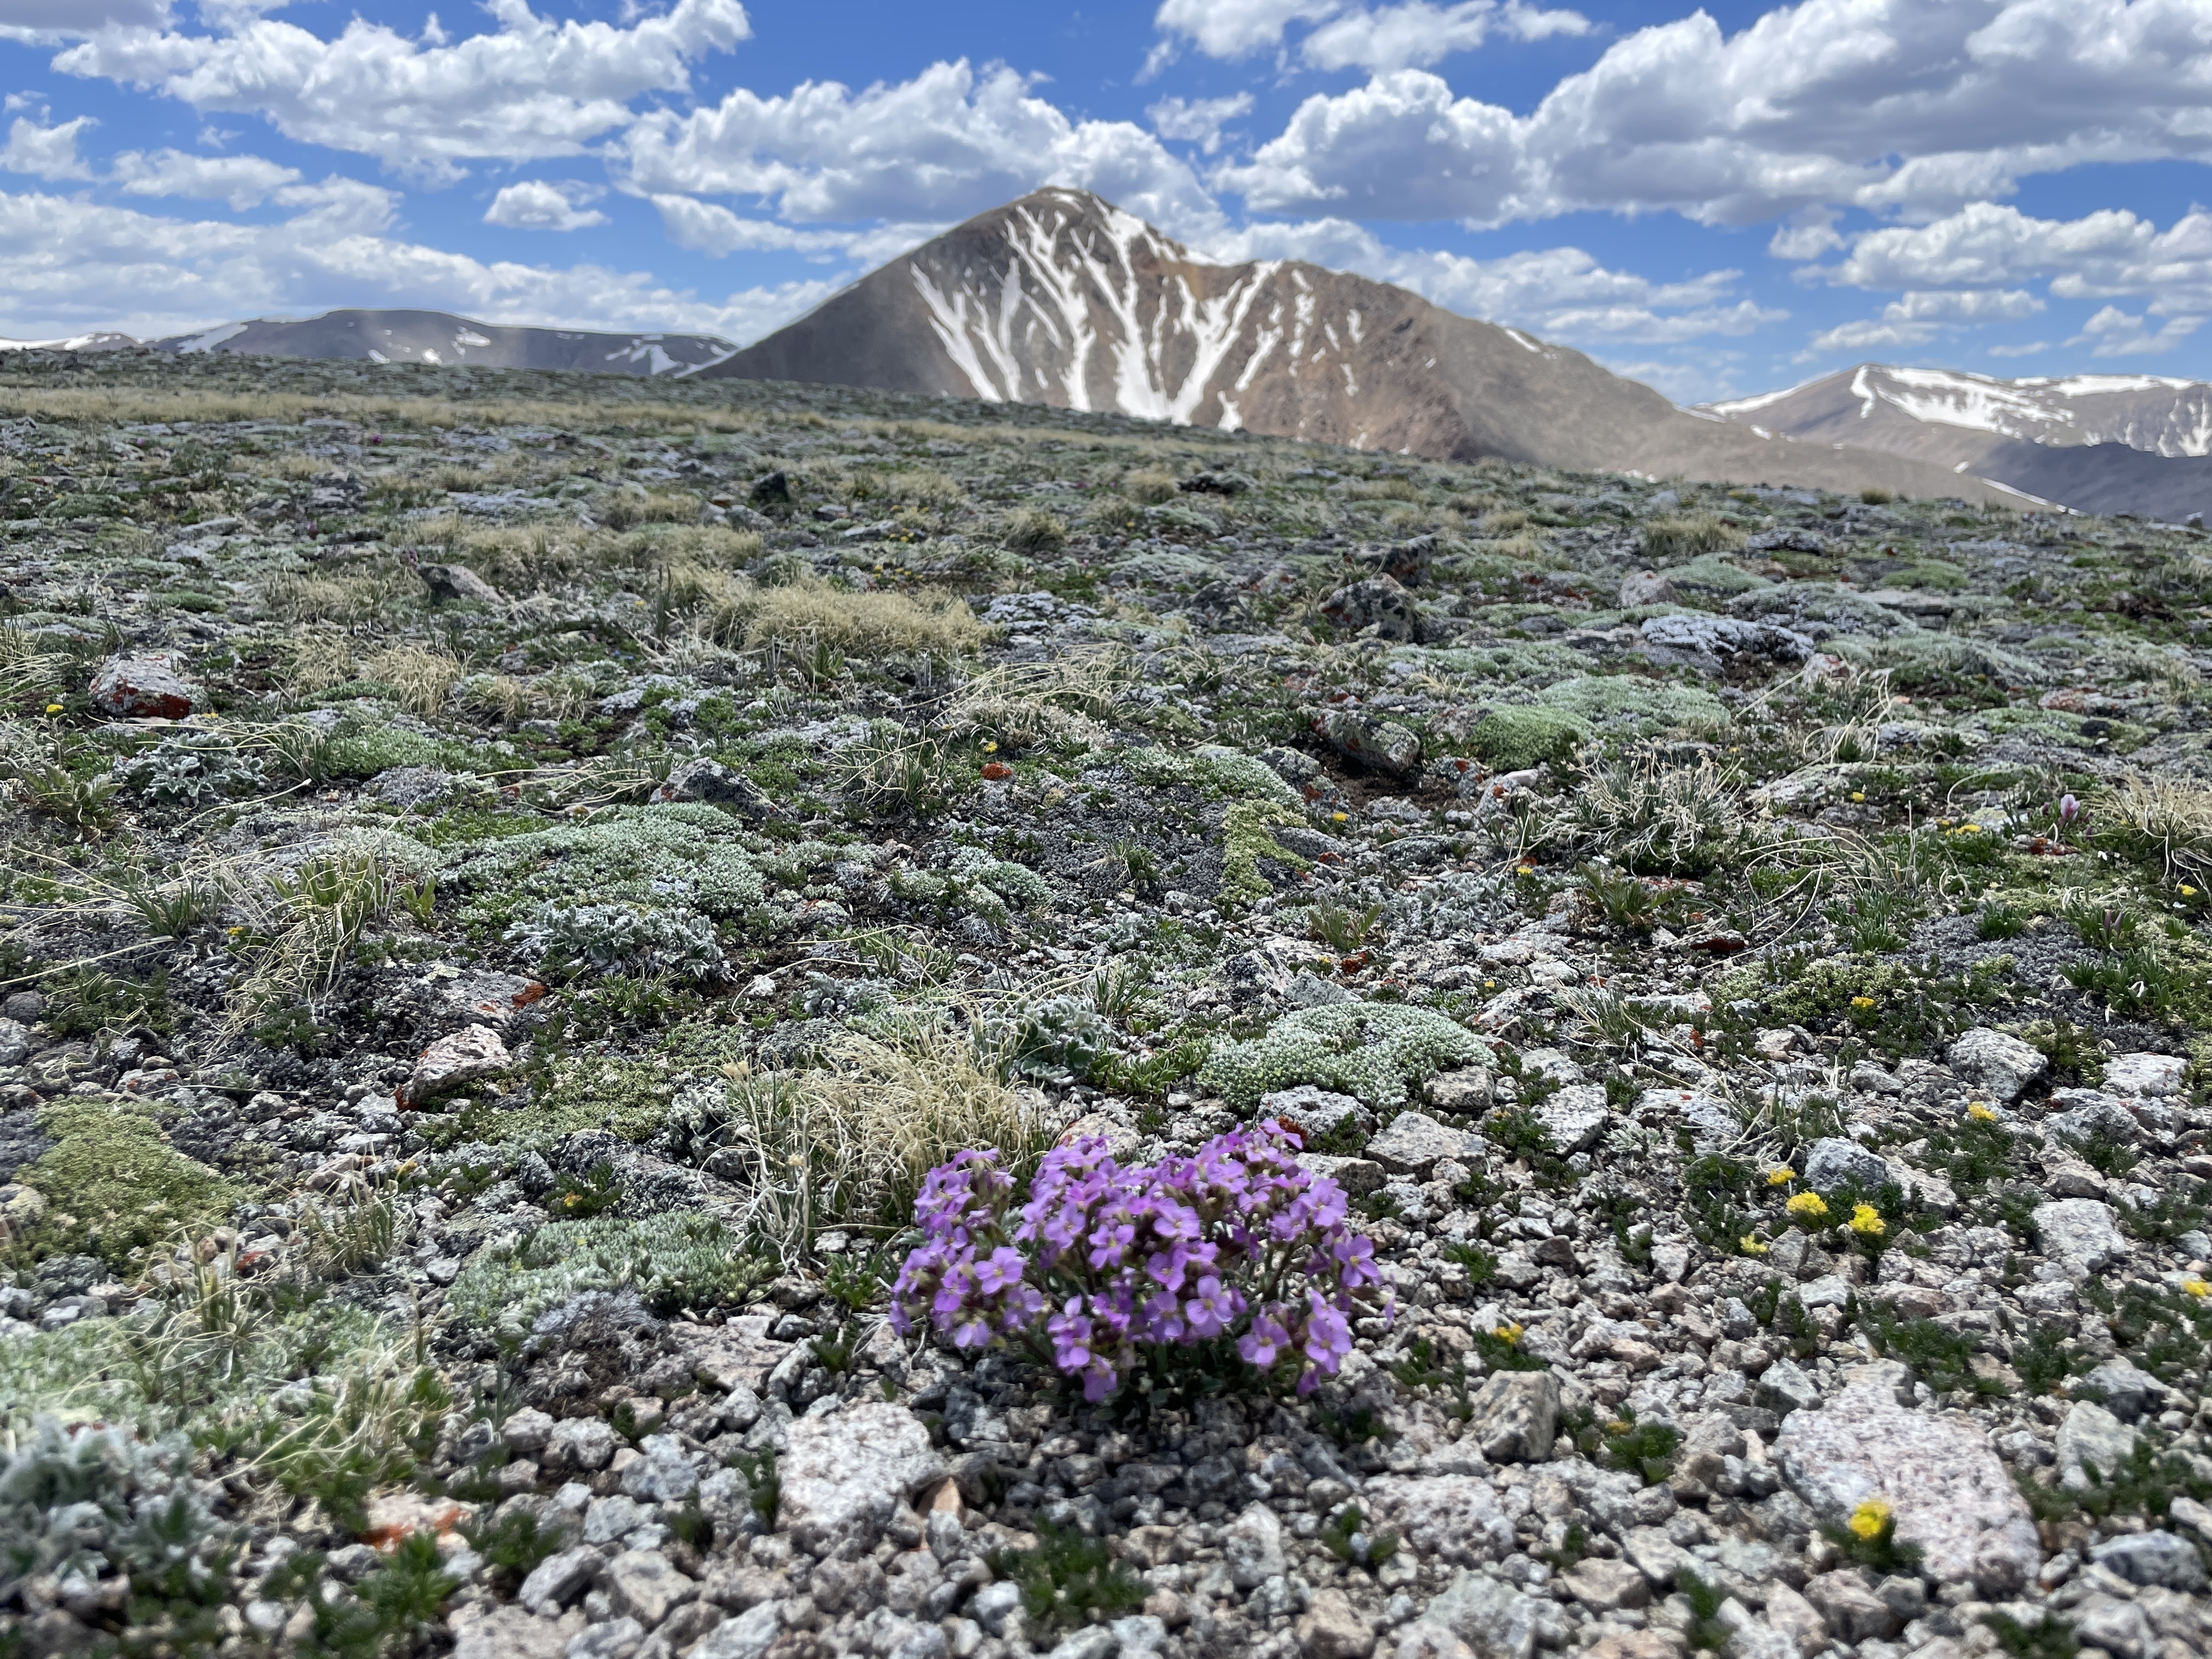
(1085, 301)
(2153, 413)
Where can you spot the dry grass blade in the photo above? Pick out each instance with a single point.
(423, 675)
(29, 671)
(1647, 812)
(847, 1144)
(320, 661)
(1022, 705)
(810, 613)
(348, 600)
(2168, 818)
(310, 921)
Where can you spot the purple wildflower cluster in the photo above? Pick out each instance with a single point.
(1239, 1241)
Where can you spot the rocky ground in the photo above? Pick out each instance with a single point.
(514, 879)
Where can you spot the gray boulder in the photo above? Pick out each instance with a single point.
(1574, 1116)
(645, 1585)
(1315, 1110)
(1834, 1162)
(1441, 1518)
(2090, 1437)
(147, 687)
(469, 1055)
(1942, 1479)
(1381, 603)
(2130, 1391)
(457, 582)
(1381, 746)
(713, 784)
(1414, 1143)
(1712, 643)
(2080, 1235)
(1515, 1416)
(2153, 1557)
(1490, 1616)
(2146, 1077)
(1996, 1062)
(843, 1476)
(1252, 1547)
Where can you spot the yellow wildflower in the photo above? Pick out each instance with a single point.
(2187, 891)
(1964, 829)
(1752, 1244)
(53, 709)
(1867, 1222)
(1781, 1176)
(1858, 794)
(1868, 1519)
(2197, 1287)
(1339, 818)
(1810, 1206)
(1509, 1333)
(1862, 1002)
(1981, 1111)
(990, 746)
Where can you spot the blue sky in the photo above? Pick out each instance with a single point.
(1720, 201)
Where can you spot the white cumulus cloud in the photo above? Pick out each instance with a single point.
(243, 181)
(1868, 335)
(67, 264)
(1237, 28)
(1981, 305)
(47, 22)
(534, 204)
(1895, 104)
(1418, 33)
(1351, 36)
(2114, 332)
(709, 227)
(1197, 120)
(2107, 254)
(1560, 292)
(528, 89)
(44, 152)
(1917, 316)
(948, 143)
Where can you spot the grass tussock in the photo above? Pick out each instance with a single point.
(318, 662)
(1150, 486)
(1019, 705)
(423, 675)
(1659, 818)
(810, 613)
(350, 601)
(2163, 821)
(1033, 530)
(511, 699)
(31, 671)
(1690, 535)
(847, 1143)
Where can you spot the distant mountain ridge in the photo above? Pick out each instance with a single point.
(430, 336)
(1062, 298)
(2099, 443)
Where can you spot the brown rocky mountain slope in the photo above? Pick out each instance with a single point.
(1062, 298)
(2099, 443)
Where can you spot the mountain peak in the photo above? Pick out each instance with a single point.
(2101, 443)
(1062, 297)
